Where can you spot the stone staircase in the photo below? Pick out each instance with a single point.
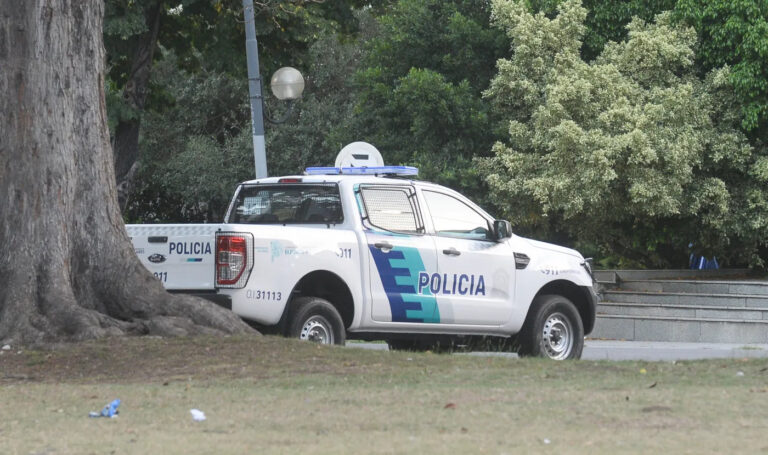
(715, 306)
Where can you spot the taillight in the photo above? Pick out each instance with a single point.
(233, 259)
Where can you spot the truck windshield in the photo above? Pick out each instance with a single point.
(287, 204)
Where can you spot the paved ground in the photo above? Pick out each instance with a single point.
(668, 351)
(643, 350)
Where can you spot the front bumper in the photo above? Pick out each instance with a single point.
(591, 311)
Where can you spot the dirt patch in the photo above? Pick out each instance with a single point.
(151, 359)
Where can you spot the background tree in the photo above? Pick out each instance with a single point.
(632, 152)
(731, 32)
(195, 150)
(324, 121)
(197, 144)
(67, 267)
(606, 21)
(420, 88)
(132, 26)
(735, 33)
(419, 70)
(201, 36)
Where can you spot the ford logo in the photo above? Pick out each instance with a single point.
(156, 258)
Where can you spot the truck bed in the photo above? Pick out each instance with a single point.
(182, 256)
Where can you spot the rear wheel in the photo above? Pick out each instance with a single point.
(315, 319)
(552, 329)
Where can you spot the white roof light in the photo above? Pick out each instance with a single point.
(359, 154)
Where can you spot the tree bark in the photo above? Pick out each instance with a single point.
(67, 268)
(126, 140)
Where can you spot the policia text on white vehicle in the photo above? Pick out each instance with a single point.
(357, 253)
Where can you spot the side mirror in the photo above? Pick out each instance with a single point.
(502, 230)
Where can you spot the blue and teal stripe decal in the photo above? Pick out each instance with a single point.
(399, 271)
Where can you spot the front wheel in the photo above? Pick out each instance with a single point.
(315, 319)
(552, 329)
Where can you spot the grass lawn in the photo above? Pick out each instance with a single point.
(272, 395)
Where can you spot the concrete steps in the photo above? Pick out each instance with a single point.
(697, 286)
(729, 307)
(684, 311)
(687, 298)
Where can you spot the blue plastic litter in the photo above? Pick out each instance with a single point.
(696, 262)
(110, 410)
(702, 263)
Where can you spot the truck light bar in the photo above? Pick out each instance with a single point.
(373, 170)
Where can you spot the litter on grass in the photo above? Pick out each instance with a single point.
(110, 410)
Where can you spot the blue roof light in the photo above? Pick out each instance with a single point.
(322, 171)
(374, 170)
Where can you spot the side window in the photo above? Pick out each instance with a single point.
(391, 209)
(453, 218)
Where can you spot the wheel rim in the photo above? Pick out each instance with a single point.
(557, 337)
(317, 329)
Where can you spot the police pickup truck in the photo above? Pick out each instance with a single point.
(370, 254)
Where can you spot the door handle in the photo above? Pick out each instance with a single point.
(383, 245)
(452, 252)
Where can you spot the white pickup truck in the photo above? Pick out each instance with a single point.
(363, 253)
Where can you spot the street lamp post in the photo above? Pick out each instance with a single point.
(254, 88)
(287, 84)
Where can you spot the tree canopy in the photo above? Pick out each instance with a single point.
(420, 88)
(632, 151)
(629, 128)
(735, 33)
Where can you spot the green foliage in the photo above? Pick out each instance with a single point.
(196, 141)
(211, 33)
(420, 88)
(194, 152)
(452, 38)
(632, 152)
(621, 135)
(735, 33)
(606, 21)
(320, 127)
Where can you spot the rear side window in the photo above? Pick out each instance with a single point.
(391, 209)
(287, 204)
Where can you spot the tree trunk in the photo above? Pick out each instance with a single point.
(67, 268)
(126, 140)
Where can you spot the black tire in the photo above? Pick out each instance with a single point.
(315, 319)
(552, 329)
